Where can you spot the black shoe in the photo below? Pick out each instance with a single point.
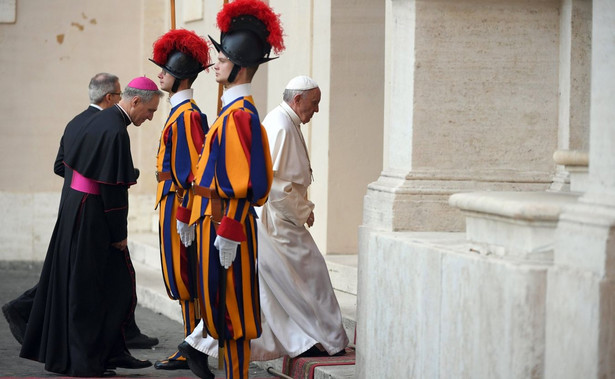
(171, 364)
(197, 361)
(339, 353)
(141, 341)
(313, 352)
(126, 360)
(16, 323)
(108, 373)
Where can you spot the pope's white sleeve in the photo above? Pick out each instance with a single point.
(286, 200)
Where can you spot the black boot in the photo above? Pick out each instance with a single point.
(197, 361)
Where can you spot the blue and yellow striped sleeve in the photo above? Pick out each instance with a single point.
(187, 140)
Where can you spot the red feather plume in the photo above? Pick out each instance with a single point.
(188, 42)
(259, 10)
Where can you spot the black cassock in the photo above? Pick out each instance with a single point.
(71, 132)
(82, 301)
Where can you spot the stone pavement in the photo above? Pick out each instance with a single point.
(20, 276)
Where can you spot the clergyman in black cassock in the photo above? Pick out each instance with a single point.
(81, 305)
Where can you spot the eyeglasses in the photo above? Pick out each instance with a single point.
(115, 93)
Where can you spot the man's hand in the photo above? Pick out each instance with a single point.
(227, 249)
(310, 220)
(186, 233)
(121, 246)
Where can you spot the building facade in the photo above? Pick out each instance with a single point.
(463, 149)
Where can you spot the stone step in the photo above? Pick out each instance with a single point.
(343, 272)
(321, 372)
(152, 294)
(335, 372)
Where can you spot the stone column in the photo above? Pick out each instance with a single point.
(575, 74)
(470, 104)
(574, 83)
(580, 335)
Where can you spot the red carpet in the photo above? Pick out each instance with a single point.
(303, 368)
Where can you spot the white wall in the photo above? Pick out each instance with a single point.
(49, 54)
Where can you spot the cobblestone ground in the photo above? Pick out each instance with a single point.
(16, 277)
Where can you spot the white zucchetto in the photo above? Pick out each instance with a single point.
(301, 83)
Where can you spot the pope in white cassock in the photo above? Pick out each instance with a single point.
(300, 314)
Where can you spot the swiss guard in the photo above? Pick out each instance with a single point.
(233, 175)
(181, 55)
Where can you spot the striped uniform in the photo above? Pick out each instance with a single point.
(236, 164)
(180, 145)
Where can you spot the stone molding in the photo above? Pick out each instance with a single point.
(418, 200)
(572, 172)
(571, 158)
(518, 225)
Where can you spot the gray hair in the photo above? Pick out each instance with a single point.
(100, 85)
(145, 95)
(289, 94)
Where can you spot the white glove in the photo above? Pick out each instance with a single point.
(186, 233)
(227, 249)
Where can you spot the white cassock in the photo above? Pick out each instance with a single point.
(298, 305)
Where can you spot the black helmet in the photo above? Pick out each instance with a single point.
(180, 65)
(249, 29)
(182, 53)
(245, 44)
